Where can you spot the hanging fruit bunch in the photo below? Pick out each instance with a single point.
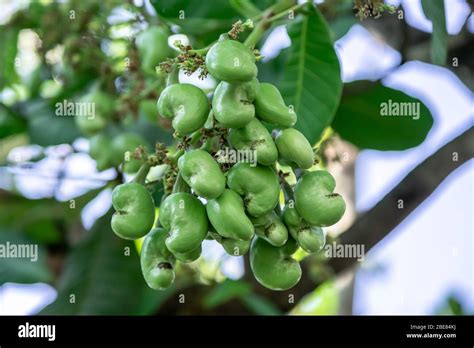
(235, 204)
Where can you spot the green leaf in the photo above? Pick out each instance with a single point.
(103, 278)
(44, 230)
(263, 4)
(235, 289)
(224, 292)
(312, 80)
(205, 19)
(272, 71)
(151, 301)
(8, 50)
(434, 11)
(359, 118)
(324, 300)
(260, 305)
(10, 122)
(28, 269)
(245, 8)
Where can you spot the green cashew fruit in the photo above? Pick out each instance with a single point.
(231, 61)
(94, 118)
(153, 48)
(310, 238)
(202, 173)
(233, 247)
(258, 185)
(184, 217)
(255, 137)
(232, 103)
(135, 211)
(293, 147)
(270, 228)
(272, 266)
(227, 216)
(290, 246)
(186, 104)
(270, 107)
(290, 216)
(156, 260)
(316, 201)
(100, 149)
(191, 256)
(127, 142)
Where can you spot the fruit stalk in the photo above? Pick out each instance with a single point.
(140, 177)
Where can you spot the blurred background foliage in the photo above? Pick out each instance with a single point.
(55, 51)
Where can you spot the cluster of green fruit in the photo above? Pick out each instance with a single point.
(238, 207)
(111, 149)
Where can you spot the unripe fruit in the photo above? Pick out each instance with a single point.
(103, 107)
(270, 228)
(227, 215)
(135, 211)
(290, 216)
(186, 104)
(231, 61)
(232, 103)
(184, 217)
(235, 247)
(316, 201)
(100, 149)
(255, 137)
(272, 266)
(293, 147)
(127, 142)
(153, 48)
(290, 247)
(310, 238)
(191, 256)
(156, 260)
(202, 173)
(258, 185)
(270, 107)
